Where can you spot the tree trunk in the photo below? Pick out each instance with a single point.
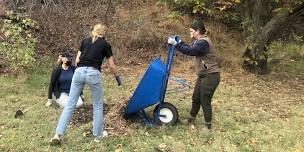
(255, 57)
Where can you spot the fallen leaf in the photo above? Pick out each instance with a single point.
(252, 141)
(147, 133)
(298, 150)
(118, 148)
(162, 146)
(210, 141)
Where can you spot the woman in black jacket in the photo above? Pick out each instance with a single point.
(60, 83)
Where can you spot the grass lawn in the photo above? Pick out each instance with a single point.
(251, 113)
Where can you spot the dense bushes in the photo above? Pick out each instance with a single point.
(226, 11)
(18, 41)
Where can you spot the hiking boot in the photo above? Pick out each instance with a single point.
(191, 120)
(209, 125)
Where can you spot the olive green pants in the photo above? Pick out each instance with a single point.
(203, 92)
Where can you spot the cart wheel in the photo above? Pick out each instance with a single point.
(168, 114)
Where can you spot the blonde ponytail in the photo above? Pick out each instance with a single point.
(98, 31)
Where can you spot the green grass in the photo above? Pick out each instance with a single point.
(287, 56)
(241, 123)
(289, 66)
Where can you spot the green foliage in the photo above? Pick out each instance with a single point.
(222, 10)
(18, 41)
(234, 13)
(174, 15)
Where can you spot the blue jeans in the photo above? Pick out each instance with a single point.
(91, 77)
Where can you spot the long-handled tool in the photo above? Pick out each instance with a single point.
(20, 113)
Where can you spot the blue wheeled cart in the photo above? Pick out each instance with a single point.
(151, 91)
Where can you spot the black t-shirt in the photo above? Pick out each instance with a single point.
(92, 54)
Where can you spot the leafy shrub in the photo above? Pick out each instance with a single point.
(225, 11)
(18, 41)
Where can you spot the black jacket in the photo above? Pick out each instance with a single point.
(54, 83)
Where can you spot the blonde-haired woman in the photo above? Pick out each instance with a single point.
(89, 60)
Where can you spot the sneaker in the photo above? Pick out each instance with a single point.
(55, 141)
(48, 104)
(98, 139)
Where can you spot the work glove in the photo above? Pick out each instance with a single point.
(173, 40)
(118, 79)
(48, 103)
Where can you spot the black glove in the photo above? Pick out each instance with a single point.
(118, 80)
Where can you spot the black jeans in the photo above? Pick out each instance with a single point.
(203, 93)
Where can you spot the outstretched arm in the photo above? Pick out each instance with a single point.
(199, 48)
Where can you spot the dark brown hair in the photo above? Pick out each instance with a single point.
(199, 25)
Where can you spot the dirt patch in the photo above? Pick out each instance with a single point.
(82, 115)
(115, 124)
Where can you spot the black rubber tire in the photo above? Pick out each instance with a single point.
(170, 107)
